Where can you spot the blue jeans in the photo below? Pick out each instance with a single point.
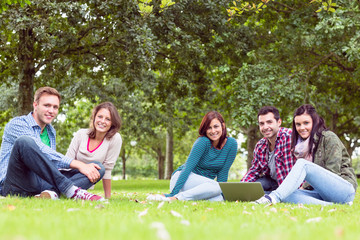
(268, 183)
(197, 187)
(328, 187)
(79, 179)
(31, 172)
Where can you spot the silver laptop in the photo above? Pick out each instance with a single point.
(241, 191)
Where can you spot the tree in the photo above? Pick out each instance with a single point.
(188, 33)
(256, 86)
(61, 43)
(315, 50)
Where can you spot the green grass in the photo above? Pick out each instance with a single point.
(128, 216)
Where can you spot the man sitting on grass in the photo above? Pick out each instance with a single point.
(29, 163)
(273, 159)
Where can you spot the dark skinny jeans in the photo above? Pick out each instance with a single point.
(30, 172)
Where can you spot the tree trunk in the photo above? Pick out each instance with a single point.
(123, 159)
(161, 161)
(334, 122)
(252, 139)
(161, 165)
(27, 70)
(169, 151)
(123, 168)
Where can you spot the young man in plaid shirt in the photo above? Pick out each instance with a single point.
(273, 159)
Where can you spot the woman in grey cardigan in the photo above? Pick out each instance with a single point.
(322, 173)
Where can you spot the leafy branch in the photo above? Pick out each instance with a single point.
(146, 9)
(239, 7)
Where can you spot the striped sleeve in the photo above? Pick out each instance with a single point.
(224, 172)
(194, 157)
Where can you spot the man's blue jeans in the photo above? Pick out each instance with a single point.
(328, 187)
(30, 172)
(268, 183)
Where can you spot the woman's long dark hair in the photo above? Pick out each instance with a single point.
(206, 122)
(317, 128)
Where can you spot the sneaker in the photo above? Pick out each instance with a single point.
(157, 197)
(85, 195)
(47, 194)
(266, 199)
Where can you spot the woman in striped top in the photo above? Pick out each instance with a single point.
(211, 157)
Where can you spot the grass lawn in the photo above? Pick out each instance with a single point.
(129, 216)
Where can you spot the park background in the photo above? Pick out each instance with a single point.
(164, 64)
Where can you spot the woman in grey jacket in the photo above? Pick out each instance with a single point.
(322, 173)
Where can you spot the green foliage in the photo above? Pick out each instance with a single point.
(141, 171)
(356, 164)
(315, 53)
(165, 4)
(326, 5)
(68, 41)
(70, 120)
(144, 7)
(7, 108)
(5, 4)
(239, 7)
(257, 86)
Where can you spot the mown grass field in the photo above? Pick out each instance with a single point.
(129, 216)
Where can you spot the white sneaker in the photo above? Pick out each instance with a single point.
(157, 197)
(48, 194)
(266, 199)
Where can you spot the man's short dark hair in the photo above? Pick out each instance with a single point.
(269, 109)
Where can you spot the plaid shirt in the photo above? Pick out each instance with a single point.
(27, 126)
(284, 159)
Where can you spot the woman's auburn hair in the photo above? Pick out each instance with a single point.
(115, 120)
(206, 122)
